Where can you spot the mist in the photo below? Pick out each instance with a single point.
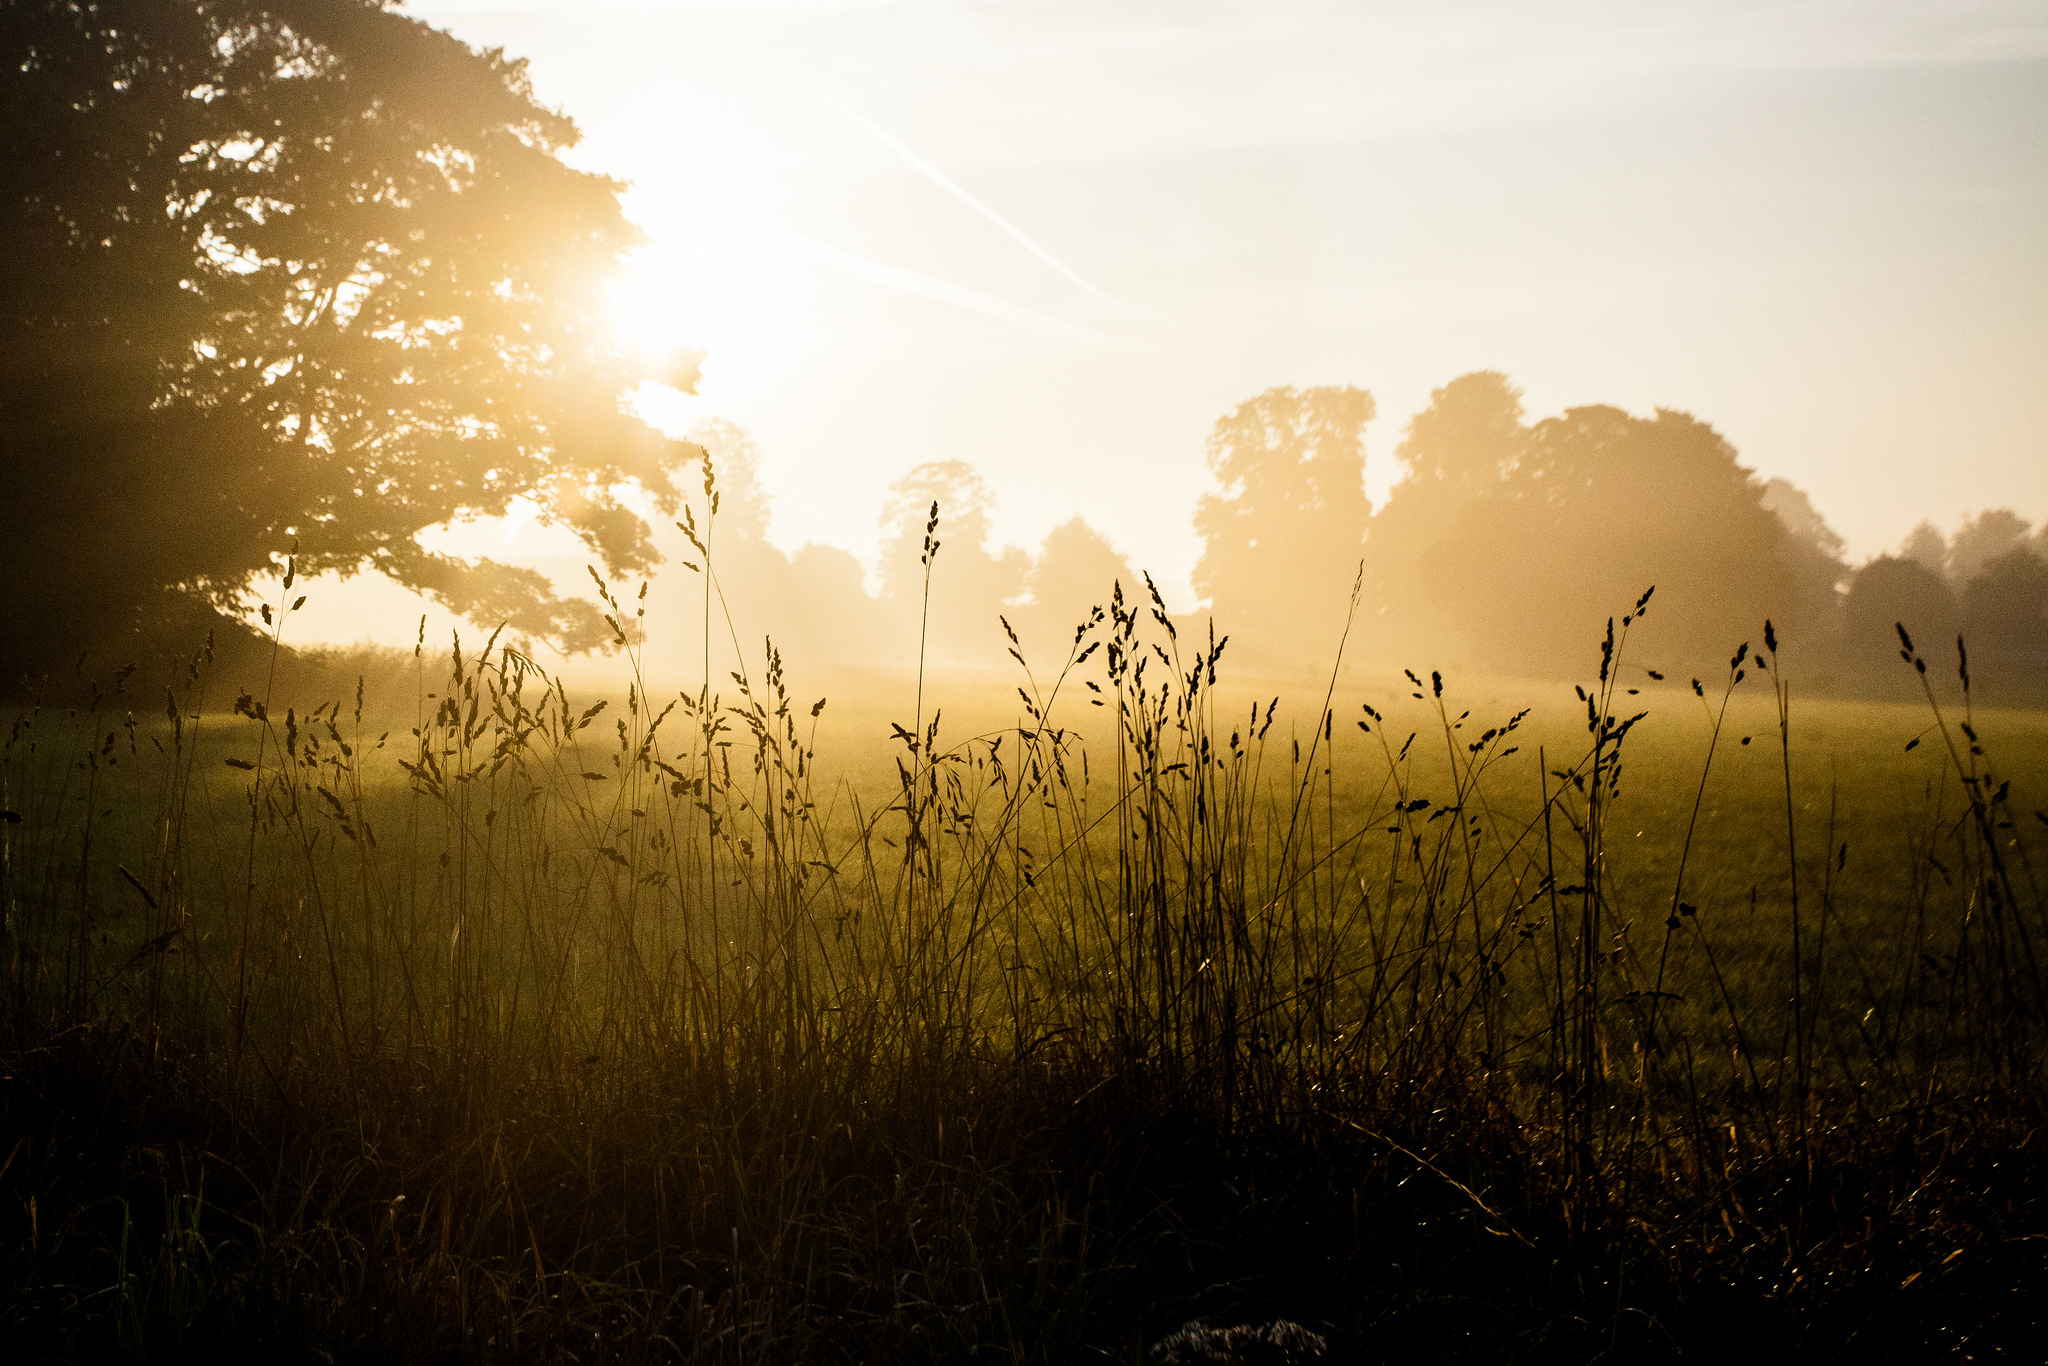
(850, 682)
(1507, 547)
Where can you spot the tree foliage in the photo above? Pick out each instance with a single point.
(1076, 570)
(1988, 536)
(1927, 547)
(295, 270)
(971, 580)
(1598, 506)
(2005, 609)
(1467, 440)
(1282, 532)
(1893, 591)
(1460, 447)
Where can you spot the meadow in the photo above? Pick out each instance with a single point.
(1028, 1019)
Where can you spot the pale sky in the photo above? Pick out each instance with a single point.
(1059, 238)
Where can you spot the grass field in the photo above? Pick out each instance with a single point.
(1453, 1019)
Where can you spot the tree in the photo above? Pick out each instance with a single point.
(1459, 448)
(1926, 546)
(1282, 533)
(1599, 506)
(971, 584)
(1076, 570)
(294, 271)
(1467, 440)
(2005, 609)
(1897, 591)
(1982, 539)
(735, 458)
(812, 604)
(1795, 509)
(1814, 551)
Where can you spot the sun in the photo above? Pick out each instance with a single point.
(703, 287)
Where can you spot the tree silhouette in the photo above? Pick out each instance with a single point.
(2005, 609)
(1926, 546)
(1076, 570)
(1282, 533)
(812, 603)
(1814, 552)
(1796, 510)
(1988, 536)
(736, 459)
(1893, 591)
(303, 270)
(1467, 440)
(1459, 448)
(1598, 506)
(971, 583)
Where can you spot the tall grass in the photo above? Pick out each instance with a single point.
(614, 1032)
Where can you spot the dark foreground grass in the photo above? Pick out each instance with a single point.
(617, 1033)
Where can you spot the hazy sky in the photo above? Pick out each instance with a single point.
(1059, 239)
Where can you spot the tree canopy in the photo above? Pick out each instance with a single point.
(971, 580)
(2005, 609)
(294, 271)
(1282, 532)
(1076, 570)
(1890, 592)
(1599, 506)
(1467, 440)
(1459, 448)
(1990, 535)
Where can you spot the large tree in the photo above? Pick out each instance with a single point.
(1076, 570)
(1890, 592)
(971, 581)
(2005, 609)
(293, 271)
(1990, 535)
(1282, 532)
(1459, 448)
(1814, 553)
(1600, 505)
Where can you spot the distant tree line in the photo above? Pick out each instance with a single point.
(1505, 546)
(1987, 583)
(968, 604)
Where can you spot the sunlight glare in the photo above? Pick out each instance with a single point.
(702, 293)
